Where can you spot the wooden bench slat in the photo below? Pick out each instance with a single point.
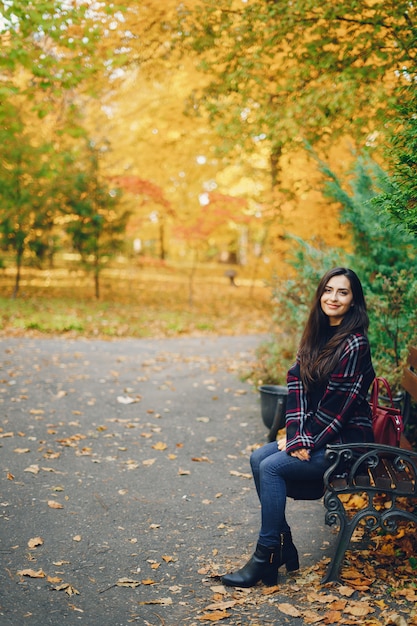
(401, 479)
(412, 357)
(381, 477)
(409, 382)
(363, 480)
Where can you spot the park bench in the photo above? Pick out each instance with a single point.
(386, 476)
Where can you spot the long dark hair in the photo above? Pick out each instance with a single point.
(320, 350)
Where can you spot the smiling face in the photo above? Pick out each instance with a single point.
(337, 298)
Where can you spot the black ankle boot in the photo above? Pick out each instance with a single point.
(288, 554)
(263, 565)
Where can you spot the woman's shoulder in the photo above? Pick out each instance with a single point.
(356, 341)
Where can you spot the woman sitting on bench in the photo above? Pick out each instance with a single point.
(327, 390)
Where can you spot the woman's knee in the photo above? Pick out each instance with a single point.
(255, 459)
(260, 454)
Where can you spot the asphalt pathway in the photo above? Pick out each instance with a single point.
(125, 483)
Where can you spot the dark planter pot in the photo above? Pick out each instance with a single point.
(273, 407)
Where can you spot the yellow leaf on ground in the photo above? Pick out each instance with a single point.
(21, 450)
(358, 609)
(214, 617)
(163, 601)
(148, 581)
(35, 541)
(332, 617)
(53, 579)
(289, 609)
(33, 469)
(127, 582)
(240, 474)
(160, 446)
(31, 573)
(69, 589)
(221, 606)
(346, 591)
(54, 505)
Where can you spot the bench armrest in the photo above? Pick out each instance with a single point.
(373, 467)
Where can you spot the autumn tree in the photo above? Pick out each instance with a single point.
(279, 74)
(26, 179)
(401, 200)
(282, 71)
(93, 222)
(151, 198)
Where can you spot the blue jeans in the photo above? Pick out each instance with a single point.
(270, 469)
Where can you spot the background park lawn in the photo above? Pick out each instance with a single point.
(134, 302)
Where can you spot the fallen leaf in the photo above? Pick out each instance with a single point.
(128, 399)
(395, 620)
(221, 606)
(214, 617)
(2, 435)
(182, 472)
(33, 469)
(163, 601)
(346, 591)
(332, 617)
(240, 474)
(160, 446)
(218, 589)
(31, 573)
(36, 541)
(21, 450)
(148, 462)
(53, 579)
(127, 582)
(358, 609)
(69, 589)
(49, 454)
(148, 581)
(289, 609)
(77, 538)
(54, 505)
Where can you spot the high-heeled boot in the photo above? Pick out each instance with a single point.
(288, 554)
(263, 565)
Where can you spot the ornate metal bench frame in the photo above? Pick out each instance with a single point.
(372, 469)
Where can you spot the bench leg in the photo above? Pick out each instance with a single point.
(343, 540)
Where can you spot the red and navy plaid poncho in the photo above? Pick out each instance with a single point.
(337, 411)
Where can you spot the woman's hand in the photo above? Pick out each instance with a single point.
(303, 454)
(282, 443)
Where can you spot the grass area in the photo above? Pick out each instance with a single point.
(134, 302)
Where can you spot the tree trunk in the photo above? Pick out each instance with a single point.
(97, 277)
(19, 257)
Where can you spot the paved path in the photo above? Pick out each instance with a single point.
(144, 446)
